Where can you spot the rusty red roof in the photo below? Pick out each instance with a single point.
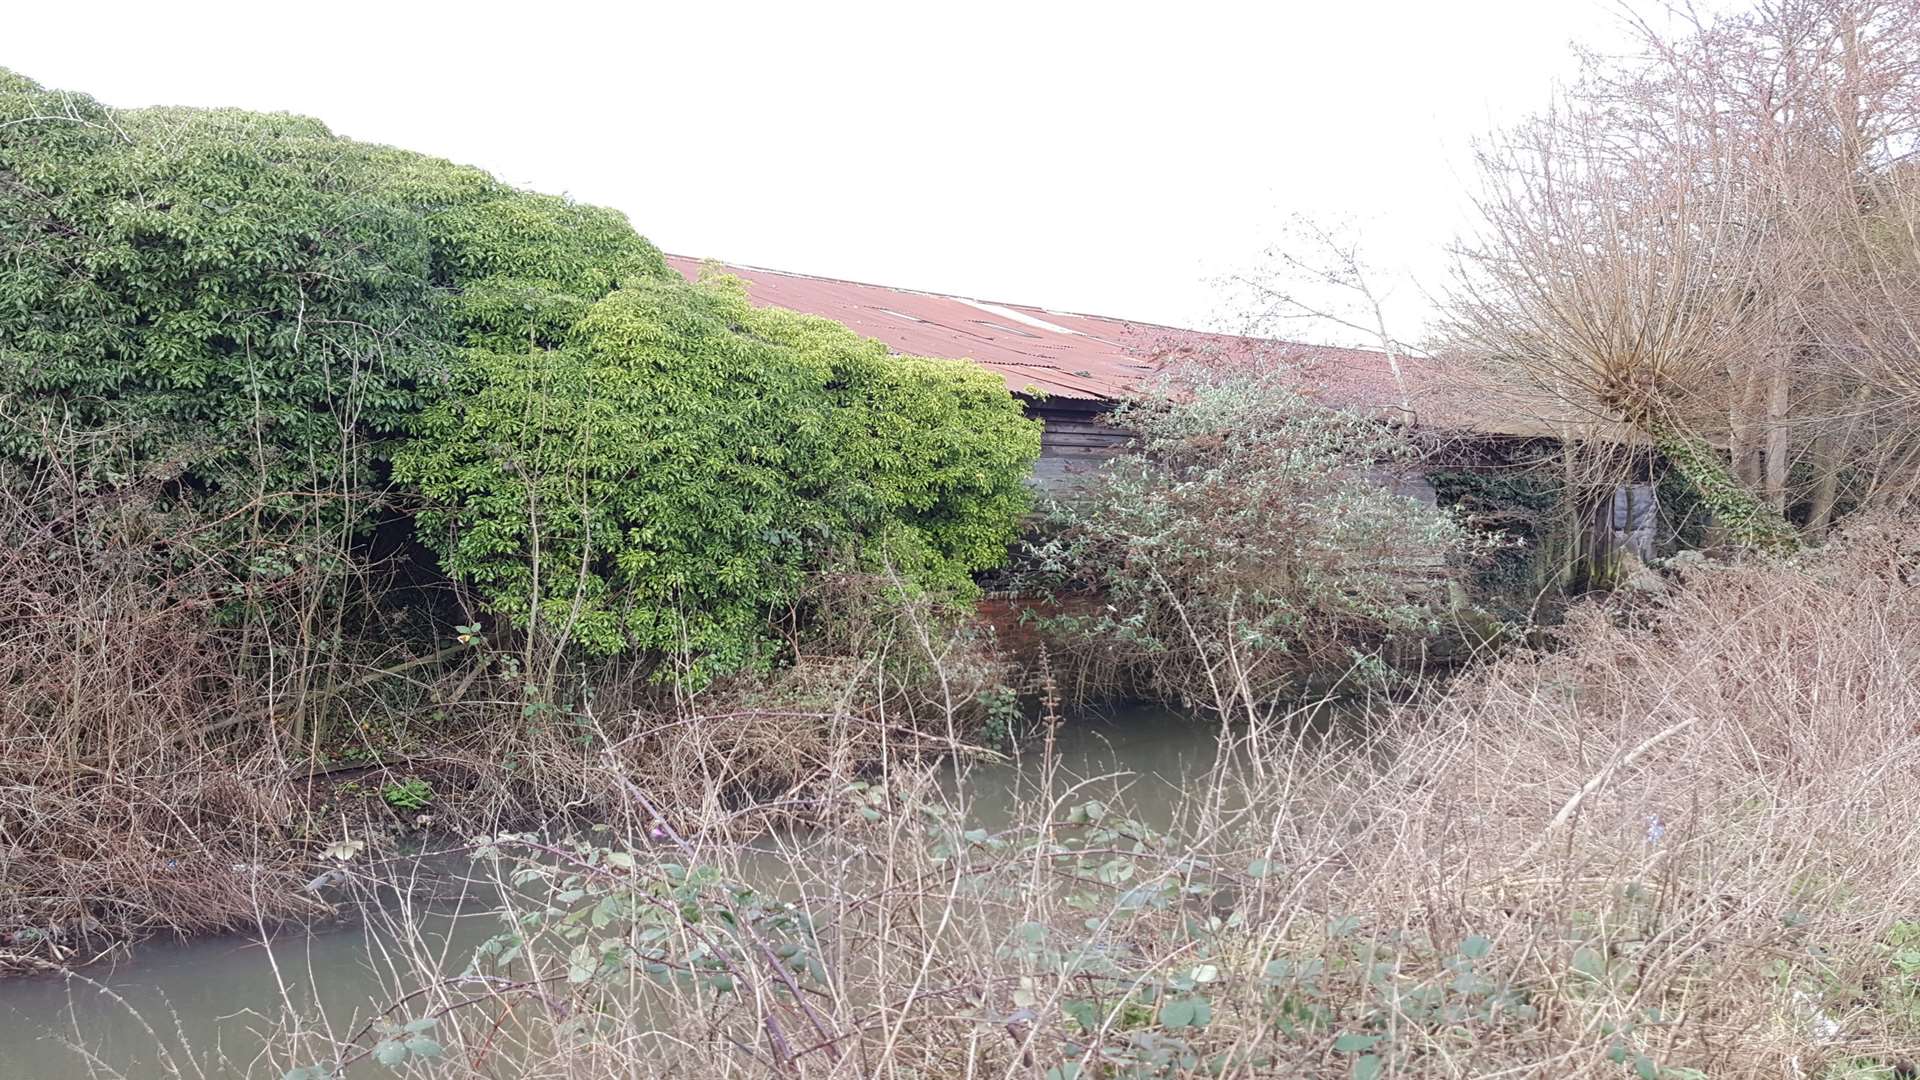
(1097, 359)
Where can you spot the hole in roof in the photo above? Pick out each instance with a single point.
(1004, 329)
(1014, 315)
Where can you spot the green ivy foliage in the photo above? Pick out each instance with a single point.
(250, 308)
(1749, 522)
(271, 325)
(664, 477)
(1520, 496)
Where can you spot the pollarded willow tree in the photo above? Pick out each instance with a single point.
(1622, 291)
(1710, 239)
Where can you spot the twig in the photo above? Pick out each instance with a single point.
(1600, 779)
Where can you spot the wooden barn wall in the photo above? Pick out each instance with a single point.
(1073, 444)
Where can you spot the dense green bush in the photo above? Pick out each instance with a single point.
(250, 318)
(249, 308)
(663, 479)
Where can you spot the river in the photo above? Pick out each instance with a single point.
(200, 1001)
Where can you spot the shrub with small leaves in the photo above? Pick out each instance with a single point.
(1249, 537)
(412, 793)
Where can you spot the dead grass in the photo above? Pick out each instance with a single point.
(116, 820)
(171, 727)
(1679, 845)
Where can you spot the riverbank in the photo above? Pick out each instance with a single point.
(177, 838)
(333, 969)
(1678, 845)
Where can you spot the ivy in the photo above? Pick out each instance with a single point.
(662, 479)
(290, 336)
(1749, 522)
(1519, 498)
(250, 309)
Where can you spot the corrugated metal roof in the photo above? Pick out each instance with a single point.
(1098, 359)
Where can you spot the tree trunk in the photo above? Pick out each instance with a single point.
(1779, 400)
(1826, 489)
(1743, 443)
(1829, 450)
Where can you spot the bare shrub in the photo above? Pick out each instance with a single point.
(116, 819)
(881, 671)
(170, 724)
(1680, 846)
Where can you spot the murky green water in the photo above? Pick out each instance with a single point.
(204, 998)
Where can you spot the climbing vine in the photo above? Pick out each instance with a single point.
(1749, 522)
(286, 338)
(1522, 501)
(250, 310)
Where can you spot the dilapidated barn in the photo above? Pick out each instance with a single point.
(1071, 369)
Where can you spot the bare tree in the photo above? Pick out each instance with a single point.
(1711, 240)
(1319, 274)
(1617, 290)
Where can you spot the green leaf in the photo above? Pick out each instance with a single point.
(1028, 992)
(1177, 1013)
(581, 964)
(1368, 1067)
(390, 1052)
(1590, 962)
(1353, 1041)
(1476, 947)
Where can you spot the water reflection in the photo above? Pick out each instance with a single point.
(206, 997)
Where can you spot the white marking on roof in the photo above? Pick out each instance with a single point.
(1016, 316)
(1014, 330)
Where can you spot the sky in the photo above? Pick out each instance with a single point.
(1112, 158)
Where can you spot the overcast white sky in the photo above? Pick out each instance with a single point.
(1111, 158)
